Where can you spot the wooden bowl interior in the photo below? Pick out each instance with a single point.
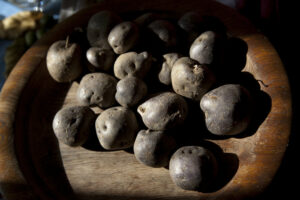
(55, 171)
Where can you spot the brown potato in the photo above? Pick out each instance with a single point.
(130, 90)
(132, 63)
(99, 26)
(193, 168)
(190, 79)
(123, 37)
(72, 125)
(163, 111)
(116, 128)
(101, 59)
(97, 89)
(154, 148)
(64, 61)
(164, 75)
(227, 109)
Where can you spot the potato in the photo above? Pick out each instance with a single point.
(227, 109)
(116, 128)
(193, 168)
(136, 64)
(72, 125)
(64, 61)
(163, 111)
(164, 75)
(154, 148)
(130, 90)
(206, 48)
(192, 23)
(123, 37)
(99, 26)
(165, 31)
(190, 79)
(97, 89)
(101, 59)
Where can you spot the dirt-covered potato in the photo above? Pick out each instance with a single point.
(97, 89)
(116, 128)
(192, 23)
(163, 111)
(123, 37)
(130, 90)
(227, 109)
(193, 168)
(101, 59)
(190, 79)
(164, 75)
(64, 61)
(136, 64)
(165, 31)
(154, 148)
(99, 26)
(72, 125)
(206, 48)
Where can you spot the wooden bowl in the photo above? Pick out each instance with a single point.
(34, 165)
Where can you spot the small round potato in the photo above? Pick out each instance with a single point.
(72, 125)
(130, 90)
(206, 48)
(192, 23)
(64, 61)
(145, 19)
(101, 59)
(190, 79)
(227, 109)
(99, 26)
(116, 128)
(163, 111)
(164, 75)
(97, 89)
(132, 63)
(123, 37)
(193, 168)
(154, 148)
(165, 31)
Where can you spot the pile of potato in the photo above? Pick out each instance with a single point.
(147, 73)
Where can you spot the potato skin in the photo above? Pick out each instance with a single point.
(116, 128)
(64, 63)
(72, 125)
(101, 59)
(130, 90)
(132, 63)
(190, 79)
(165, 31)
(97, 89)
(193, 168)
(99, 26)
(227, 109)
(154, 148)
(206, 48)
(192, 23)
(164, 75)
(123, 37)
(163, 111)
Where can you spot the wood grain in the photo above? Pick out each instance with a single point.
(33, 165)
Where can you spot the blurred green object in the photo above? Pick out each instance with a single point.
(13, 54)
(30, 38)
